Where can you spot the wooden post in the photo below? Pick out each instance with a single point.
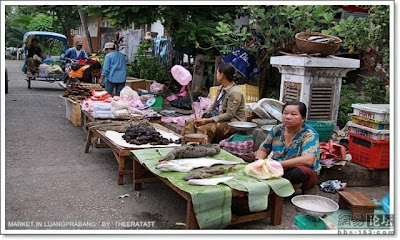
(137, 174)
(191, 221)
(276, 209)
(218, 61)
(198, 71)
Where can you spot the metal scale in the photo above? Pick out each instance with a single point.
(315, 209)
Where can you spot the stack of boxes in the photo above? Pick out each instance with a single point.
(369, 135)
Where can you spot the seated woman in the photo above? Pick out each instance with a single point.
(295, 145)
(34, 56)
(227, 107)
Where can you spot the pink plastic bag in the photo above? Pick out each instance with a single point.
(181, 75)
(156, 87)
(205, 102)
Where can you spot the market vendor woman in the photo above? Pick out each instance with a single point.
(227, 107)
(295, 145)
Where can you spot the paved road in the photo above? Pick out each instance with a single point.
(49, 178)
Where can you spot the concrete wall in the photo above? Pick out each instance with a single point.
(158, 28)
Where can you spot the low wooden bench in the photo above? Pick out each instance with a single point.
(358, 203)
(121, 153)
(240, 213)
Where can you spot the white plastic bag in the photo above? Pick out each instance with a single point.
(44, 70)
(272, 107)
(128, 93)
(257, 109)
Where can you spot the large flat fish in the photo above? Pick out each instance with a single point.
(185, 165)
(189, 151)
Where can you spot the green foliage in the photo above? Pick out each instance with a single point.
(277, 25)
(123, 16)
(347, 98)
(51, 46)
(188, 26)
(354, 33)
(146, 66)
(42, 22)
(16, 26)
(193, 26)
(372, 91)
(367, 34)
(54, 18)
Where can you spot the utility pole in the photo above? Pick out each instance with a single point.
(85, 27)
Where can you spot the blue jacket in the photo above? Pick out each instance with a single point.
(114, 69)
(71, 53)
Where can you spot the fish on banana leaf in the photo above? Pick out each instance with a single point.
(190, 151)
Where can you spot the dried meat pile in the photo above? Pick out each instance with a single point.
(144, 134)
(79, 91)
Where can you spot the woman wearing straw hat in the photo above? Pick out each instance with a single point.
(113, 74)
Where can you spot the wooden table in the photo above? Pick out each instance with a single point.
(142, 174)
(121, 153)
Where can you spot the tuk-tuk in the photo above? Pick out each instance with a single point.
(47, 77)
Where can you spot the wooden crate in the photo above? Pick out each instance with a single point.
(137, 83)
(251, 93)
(73, 112)
(76, 118)
(67, 109)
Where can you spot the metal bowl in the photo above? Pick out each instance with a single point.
(314, 205)
(242, 126)
(267, 128)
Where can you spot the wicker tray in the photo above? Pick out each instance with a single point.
(324, 49)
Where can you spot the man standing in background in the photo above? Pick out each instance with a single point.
(76, 53)
(113, 74)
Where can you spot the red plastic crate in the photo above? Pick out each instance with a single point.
(368, 152)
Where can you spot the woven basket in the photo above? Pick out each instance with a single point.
(309, 47)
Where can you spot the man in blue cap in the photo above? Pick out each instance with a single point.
(76, 53)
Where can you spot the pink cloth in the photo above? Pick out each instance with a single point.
(178, 120)
(182, 93)
(237, 147)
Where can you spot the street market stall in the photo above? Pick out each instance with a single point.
(120, 148)
(239, 199)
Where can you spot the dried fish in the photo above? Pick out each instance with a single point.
(205, 173)
(320, 39)
(190, 151)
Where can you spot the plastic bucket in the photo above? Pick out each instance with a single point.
(324, 129)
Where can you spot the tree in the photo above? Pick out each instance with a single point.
(16, 25)
(122, 17)
(85, 27)
(65, 17)
(188, 26)
(20, 19)
(193, 26)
